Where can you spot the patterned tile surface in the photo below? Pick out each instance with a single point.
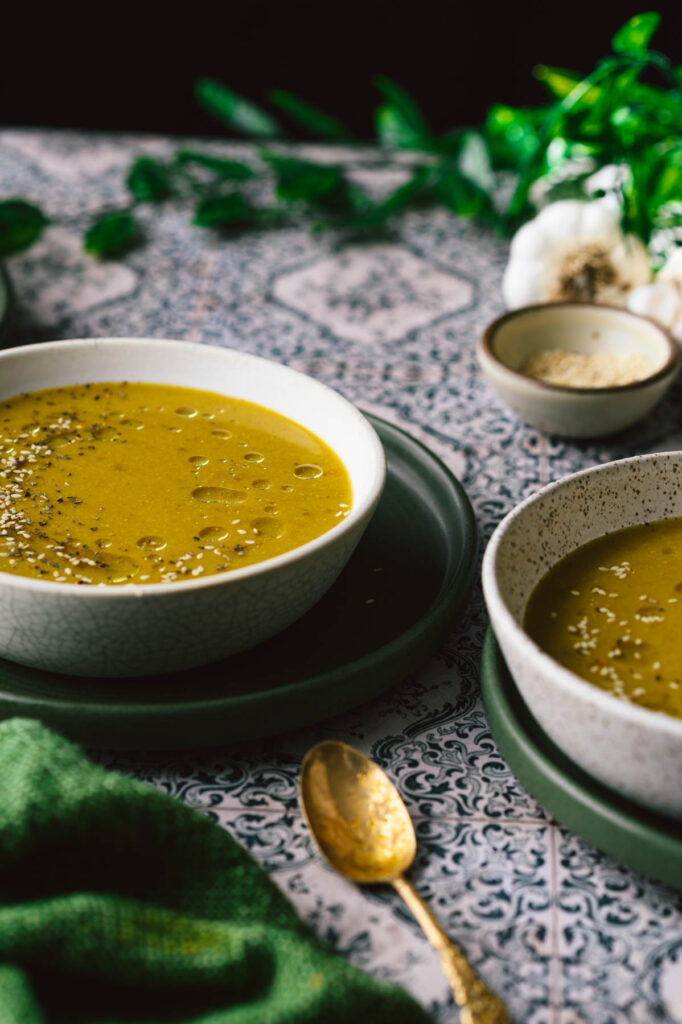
(566, 934)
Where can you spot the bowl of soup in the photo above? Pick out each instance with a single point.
(165, 504)
(583, 584)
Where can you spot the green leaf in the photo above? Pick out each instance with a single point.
(111, 234)
(323, 187)
(474, 161)
(232, 210)
(21, 224)
(561, 84)
(229, 170)
(394, 132)
(303, 180)
(635, 35)
(149, 180)
(234, 110)
(365, 217)
(405, 108)
(463, 196)
(512, 133)
(309, 116)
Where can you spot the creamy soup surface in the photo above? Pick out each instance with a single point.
(117, 483)
(612, 613)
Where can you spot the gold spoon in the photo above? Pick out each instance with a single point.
(364, 830)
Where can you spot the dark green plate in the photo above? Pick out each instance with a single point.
(396, 600)
(6, 303)
(639, 838)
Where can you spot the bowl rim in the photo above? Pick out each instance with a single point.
(135, 591)
(566, 680)
(486, 349)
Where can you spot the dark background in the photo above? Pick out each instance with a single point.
(118, 69)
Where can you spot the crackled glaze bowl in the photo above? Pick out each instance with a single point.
(635, 751)
(153, 628)
(508, 342)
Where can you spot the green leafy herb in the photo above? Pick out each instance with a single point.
(625, 114)
(111, 234)
(234, 110)
(21, 224)
(149, 180)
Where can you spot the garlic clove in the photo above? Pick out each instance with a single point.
(529, 242)
(661, 301)
(596, 222)
(526, 282)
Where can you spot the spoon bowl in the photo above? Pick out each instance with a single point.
(356, 815)
(364, 831)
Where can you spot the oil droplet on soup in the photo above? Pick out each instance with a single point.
(228, 495)
(308, 472)
(612, 613)
(151, 543)
(103, 492)
(267, 526)
(213, 533)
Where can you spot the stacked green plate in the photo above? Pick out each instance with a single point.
(639, 838)
(6, 303)
(395, 601)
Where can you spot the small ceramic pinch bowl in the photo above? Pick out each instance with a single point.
(633, 750)
(147, 629)
(569, 411)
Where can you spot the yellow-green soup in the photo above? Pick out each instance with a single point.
(612, 613)
(118, 483)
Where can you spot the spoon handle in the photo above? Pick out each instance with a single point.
(477, 1003)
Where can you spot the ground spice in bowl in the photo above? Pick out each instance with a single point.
(587, 369)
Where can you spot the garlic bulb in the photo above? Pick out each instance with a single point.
(662, 300)
(574, 250)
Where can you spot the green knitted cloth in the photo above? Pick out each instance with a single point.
(118, 903)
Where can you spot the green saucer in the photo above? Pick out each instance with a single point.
(648, 842)
(396, 600)
(6, 303)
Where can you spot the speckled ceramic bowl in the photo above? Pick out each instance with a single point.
(510, 340)
(152, 628)
(631, 749)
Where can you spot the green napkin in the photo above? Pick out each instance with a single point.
(118, 903)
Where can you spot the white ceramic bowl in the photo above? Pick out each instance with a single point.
(633, 750)
(148, 629)
(510, 340)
